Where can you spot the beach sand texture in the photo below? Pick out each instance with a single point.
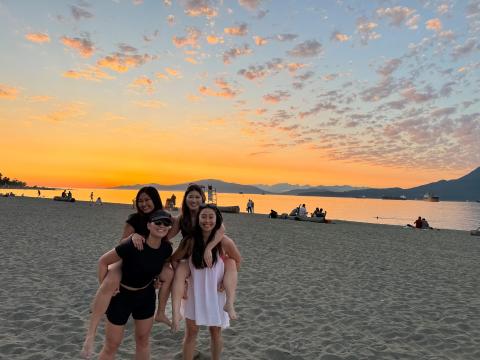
(306, 290)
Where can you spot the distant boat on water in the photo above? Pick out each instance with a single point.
(401, 197)
(430, 197)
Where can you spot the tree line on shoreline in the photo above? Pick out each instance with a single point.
(7, 182)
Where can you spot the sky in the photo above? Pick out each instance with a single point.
(365, 93)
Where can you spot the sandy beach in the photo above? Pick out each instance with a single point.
(306, 291)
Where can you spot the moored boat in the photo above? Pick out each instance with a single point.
(430, 197)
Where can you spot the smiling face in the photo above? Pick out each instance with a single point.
(160, 230)
(194, 200)
(207, 219)
(145, 203)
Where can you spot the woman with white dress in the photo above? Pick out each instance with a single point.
(205, 303)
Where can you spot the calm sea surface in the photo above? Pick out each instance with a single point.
(444, 214)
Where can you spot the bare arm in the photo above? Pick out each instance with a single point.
(129, 232)
(207, 255)
(230, 249)
(106, 259)
(175, 229)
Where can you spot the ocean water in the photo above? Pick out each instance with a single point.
(443, 215)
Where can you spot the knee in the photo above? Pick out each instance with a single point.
(215, 333)
(167, 274)
(191, 334)
(111, 346)
(142, 340)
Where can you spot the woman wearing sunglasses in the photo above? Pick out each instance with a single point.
(147, 201)
(136, 296)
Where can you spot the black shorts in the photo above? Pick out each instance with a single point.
(140, 304)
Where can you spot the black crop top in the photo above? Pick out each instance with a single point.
(139, 267)
(139, 223)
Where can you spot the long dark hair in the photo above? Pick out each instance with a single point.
(153, 194)
(199, 244)
(186, 226)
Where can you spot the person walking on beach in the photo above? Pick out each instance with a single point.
(205, 304)
(91, 197)
(39, 193)
(136, 296)
(146, 202)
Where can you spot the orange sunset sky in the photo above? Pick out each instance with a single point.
(375, 93)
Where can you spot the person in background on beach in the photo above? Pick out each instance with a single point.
(302, 211)
(205, 305)
(273, 214)
(137, 293)
(425, 224)
(39, 193)
(249, 206)
(64, 193)
(418, 223)
(186, 222)
(253, 207)
(147, 201)
(91, 197)
(69, 195)
(99, 201)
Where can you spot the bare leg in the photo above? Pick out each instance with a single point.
(113, 339)
(142, 338)
(166, 277)
(230, 284)
(100, 303)
(190, 339)
(181, 273)
(216, 342)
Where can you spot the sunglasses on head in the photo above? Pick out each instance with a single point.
(164, 222)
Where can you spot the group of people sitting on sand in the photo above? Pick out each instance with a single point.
(200, 275)
(66, 195)
(420, 223)
(301, 211)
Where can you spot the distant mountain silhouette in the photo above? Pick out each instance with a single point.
(464, 188)
(293, 189)
(461, 189)
(220, 186)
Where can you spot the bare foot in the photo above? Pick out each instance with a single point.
(230, 310)
(162, 318)
(87, 349)
(175, 323)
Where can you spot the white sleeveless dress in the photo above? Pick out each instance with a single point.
(205, 303)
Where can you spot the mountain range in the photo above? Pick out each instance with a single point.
(461, 189)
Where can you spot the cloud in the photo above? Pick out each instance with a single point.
(213, 39)
(217, 122)
(137, 2)
(308, 48)
(8, 92)
(251, 5)
(126, 48)
(79, 13)
(412, 23)
(382, 90)
(412, 94)
(121, 63)
(143, 83)
(40, 98)
(260, 41)
(253, 72)
(465, 49)
(434, 24)
(286, 37)
(240, 30)
(337, 36)
(398, 15)
(83, 46)
(260, 111)
(68, 111)
(191, 60)
(226, 90)
(389, 67)
(150, 104)
(92, 73)
(276, 97)
(320, 107)
(366, 30)
(37, 37)
(173, 73)
(191, 39)
(200, 8)
(236, 52)
(443, 9)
